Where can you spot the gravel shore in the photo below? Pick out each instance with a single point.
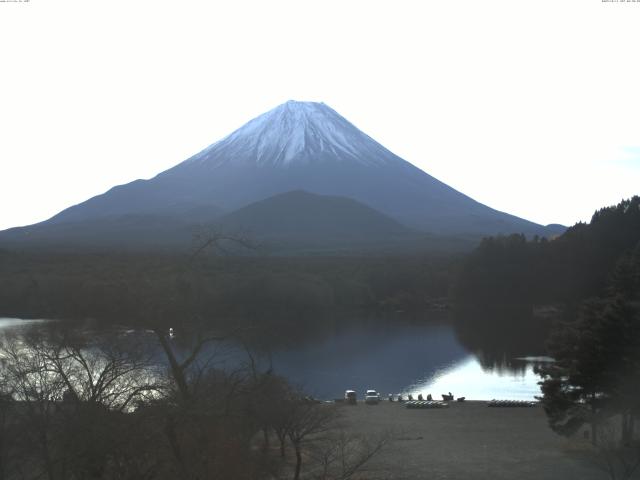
(468, 440)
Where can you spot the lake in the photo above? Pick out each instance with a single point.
(391, 357)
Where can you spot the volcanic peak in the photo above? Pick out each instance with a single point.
(296, 132)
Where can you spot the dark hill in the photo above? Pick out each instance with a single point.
(306, 215)
(303, 219)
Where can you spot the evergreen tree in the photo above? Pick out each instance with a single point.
(597, 368)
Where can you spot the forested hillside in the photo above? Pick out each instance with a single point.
(512, 270)
(510, 292)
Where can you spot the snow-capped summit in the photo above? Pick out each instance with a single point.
(296, 132)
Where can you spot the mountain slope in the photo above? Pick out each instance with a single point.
(299, 146)
(115, 232)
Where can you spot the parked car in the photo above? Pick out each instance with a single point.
(351, 397)
(372, 397)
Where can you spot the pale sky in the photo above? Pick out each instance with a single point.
(531, 107)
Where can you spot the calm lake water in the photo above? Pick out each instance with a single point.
(389, 357)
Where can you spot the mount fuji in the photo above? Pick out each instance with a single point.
(296, 147)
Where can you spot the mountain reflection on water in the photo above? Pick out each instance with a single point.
(389, 356)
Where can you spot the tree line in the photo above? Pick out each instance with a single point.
(293, 291)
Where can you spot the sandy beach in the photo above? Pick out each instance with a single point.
(468, 441)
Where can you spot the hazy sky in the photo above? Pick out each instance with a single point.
(531, 107)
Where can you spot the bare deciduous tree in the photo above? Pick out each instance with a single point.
(308, 420)
(343, 455)
(71, 397)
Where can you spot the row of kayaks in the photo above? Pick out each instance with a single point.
(511, 403)
(425, 404)
(492, 403)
